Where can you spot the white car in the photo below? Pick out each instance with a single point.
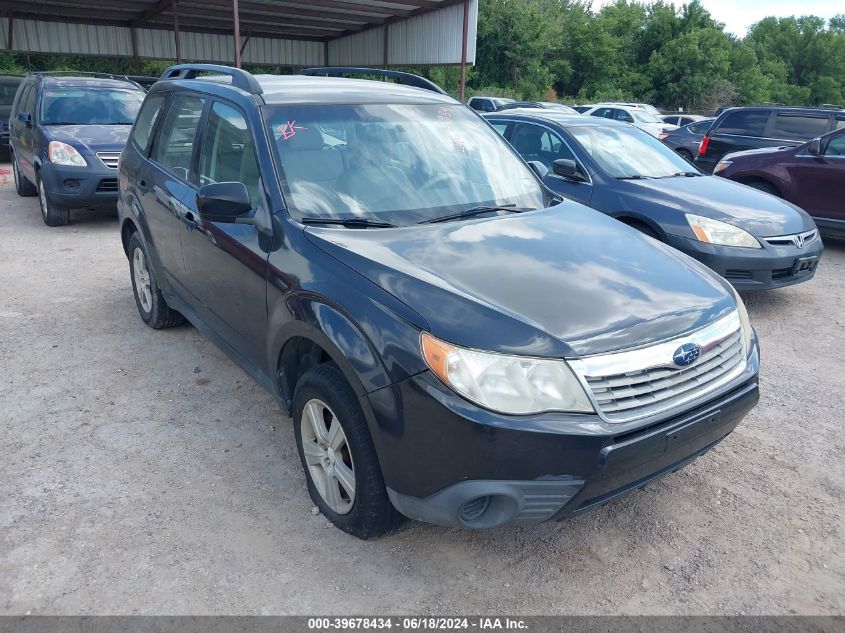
(643, 106)
(636, 116)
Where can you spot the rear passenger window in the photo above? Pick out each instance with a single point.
(500, 127)
(744, 123)
(791, 126)
(699, 128)
(144, 125)
(228, 153)
(840, 123)
(835, 146)
(175, 146)
(19, 106)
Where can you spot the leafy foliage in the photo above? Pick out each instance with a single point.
(673, 57)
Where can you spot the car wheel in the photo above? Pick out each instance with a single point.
(762, 185)
(685, 154)
(52, 214)
(23, 187)
(152, 307)
(341, 468)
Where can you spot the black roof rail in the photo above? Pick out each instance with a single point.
(240, 78)
(403, 78)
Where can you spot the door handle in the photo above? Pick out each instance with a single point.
(142, 186)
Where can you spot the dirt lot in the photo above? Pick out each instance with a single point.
(143, 472)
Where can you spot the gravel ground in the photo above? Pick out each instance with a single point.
(143, 472)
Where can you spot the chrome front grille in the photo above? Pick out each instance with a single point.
(644, 382)
(798, 239)
(109, 159)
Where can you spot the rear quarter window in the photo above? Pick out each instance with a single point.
(799, 127)
(145, 124)
(744, 123)
(699, 128)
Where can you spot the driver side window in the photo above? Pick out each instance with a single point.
(835, 146)
(228, 153)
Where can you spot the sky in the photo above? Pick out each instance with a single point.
(738, 15)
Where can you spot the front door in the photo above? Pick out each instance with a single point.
(821, 192)
(227, 263)
(166, 184)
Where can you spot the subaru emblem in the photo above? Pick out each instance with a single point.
(686, 354)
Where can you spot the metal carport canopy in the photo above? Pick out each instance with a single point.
(266, 32)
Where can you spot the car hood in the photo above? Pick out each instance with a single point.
(762, 152)
(97, 138)
(759, 213)
(559, 282)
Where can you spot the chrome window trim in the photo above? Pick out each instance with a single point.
(655, 357)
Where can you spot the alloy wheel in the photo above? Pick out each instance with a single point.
(327, 456)
(142, 280)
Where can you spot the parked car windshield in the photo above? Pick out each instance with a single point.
(645, 116)
(397, 163)
(626, 152)
(83, 106)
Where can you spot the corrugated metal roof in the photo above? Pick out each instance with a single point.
(273, 32)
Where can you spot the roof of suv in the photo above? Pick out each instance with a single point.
(86, 82)
(280, 89)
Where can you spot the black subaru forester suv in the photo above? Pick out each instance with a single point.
(453, 342)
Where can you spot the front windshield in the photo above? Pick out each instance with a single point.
(86, 106)
(646, 117)
(626, 152)
(396, 163)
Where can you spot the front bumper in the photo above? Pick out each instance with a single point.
(755, 268)
(94, 186)
(448, 462)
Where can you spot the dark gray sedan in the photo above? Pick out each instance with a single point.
(755, 240)
(685, 140)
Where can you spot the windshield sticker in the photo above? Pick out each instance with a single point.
(289, 129)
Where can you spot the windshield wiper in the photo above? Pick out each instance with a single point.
(634, 177)
(362, 223)
(467, 213)
(688, 174)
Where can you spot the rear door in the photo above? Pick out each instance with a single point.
(22, 136)
(739, 130)
(227, 263)
(821, 192)
(166, 185)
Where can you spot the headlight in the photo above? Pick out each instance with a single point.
(64, 154)
(722, 165)
(744, 322)
(715, 232)
(508, 384)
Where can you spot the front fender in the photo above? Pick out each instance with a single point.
(367, 351)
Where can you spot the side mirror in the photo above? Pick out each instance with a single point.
(224, 202)
(568, 168)
(25, 118)
(538, 168)
(815, 147)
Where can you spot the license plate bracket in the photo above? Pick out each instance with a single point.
(804, 265)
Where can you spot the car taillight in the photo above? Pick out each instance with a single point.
(702, 149)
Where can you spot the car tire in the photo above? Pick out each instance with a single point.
(152, 307)
(51, 213)
(762, 185)
(685, 154)
(23, 187)
(337, 453)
